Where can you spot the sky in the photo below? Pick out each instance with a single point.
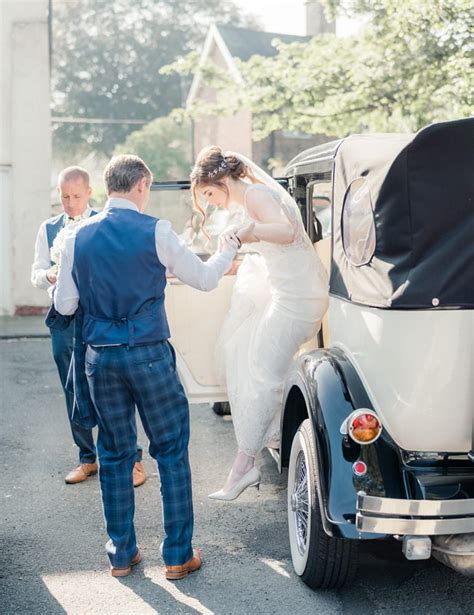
(287, 16)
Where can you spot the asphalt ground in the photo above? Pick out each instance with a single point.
(52, 535)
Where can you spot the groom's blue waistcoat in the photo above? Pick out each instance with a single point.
(53, 226)
(120, 279)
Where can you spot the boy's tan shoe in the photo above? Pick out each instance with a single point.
(173, 573)
(123, 572)
(138, 473)
(81, 473)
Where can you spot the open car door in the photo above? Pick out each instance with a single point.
(195, 317)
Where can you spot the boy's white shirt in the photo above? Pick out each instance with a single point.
(42, 261)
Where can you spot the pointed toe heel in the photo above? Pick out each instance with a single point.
(251, 479)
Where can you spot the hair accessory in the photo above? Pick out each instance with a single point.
(223, 165)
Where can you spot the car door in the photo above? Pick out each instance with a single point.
(195, 317)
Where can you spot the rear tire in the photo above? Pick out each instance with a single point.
(322, 561)
(221, 408)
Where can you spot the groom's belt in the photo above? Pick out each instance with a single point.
(126, 345)
(146, 327)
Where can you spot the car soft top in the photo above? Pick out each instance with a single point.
(404, 218)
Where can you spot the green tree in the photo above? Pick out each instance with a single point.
(411, 64)
(106, 61)
(164, 144)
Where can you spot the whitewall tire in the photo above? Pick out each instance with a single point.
(321, 561)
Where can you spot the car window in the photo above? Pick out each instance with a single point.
(321, 193)
(176, 206)
(358, 226)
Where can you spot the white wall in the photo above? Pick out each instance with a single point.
(6, 296)
(25, 146)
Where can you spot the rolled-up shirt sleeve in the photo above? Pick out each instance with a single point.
(66, 294)
(181, 262)
(42, 262)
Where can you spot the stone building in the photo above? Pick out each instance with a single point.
(25, 147)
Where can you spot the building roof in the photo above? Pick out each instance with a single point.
(243, 43)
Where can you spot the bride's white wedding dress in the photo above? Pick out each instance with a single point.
(279, 299)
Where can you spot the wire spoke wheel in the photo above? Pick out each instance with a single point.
(321, 560)
(300, 503)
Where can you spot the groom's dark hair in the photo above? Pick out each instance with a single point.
(123, 172)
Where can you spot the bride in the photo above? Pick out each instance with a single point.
(278, 302)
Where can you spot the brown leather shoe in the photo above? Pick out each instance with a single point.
(81, 473)
(123, 572)
(138, 473)
(173, 573)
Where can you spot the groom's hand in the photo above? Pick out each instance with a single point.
(228, 240)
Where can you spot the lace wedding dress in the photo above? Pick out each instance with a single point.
(279, 299)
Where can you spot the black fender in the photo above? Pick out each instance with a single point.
(324, 386)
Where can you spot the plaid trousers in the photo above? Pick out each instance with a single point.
(120, 378)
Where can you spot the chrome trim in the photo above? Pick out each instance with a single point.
(416, 517)
(416, 508)
(416, 527)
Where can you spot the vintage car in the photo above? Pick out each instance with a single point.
(377, 427)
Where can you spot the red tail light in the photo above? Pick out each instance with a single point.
(364, 426)
(359, 468)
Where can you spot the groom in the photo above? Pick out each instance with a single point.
(114, 265)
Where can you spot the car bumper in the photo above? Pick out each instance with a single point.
(378, 515)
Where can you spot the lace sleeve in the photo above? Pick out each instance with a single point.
(291, 213)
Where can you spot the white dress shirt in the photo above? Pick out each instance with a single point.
(42, 263)
(172, 252)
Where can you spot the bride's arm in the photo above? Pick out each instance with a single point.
(271, 223)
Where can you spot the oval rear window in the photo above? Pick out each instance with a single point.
(358, 226)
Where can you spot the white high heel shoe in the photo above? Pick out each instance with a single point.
(250, 479)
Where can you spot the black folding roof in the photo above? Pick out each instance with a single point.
(422, 195)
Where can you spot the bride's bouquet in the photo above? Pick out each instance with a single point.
(59, 245)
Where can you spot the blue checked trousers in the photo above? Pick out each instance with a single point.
(120, 378)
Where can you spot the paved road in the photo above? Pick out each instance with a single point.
(52, 535)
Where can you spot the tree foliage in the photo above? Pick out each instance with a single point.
(410, 65)
(107, 56)
(165, 146)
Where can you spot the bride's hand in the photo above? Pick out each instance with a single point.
(232, 228)
(246, 233)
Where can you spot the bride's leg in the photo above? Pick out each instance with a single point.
(243, 474)
(243, 463)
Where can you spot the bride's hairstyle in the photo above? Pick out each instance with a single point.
(212, 166)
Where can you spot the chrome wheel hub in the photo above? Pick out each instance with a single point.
(299, 502)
